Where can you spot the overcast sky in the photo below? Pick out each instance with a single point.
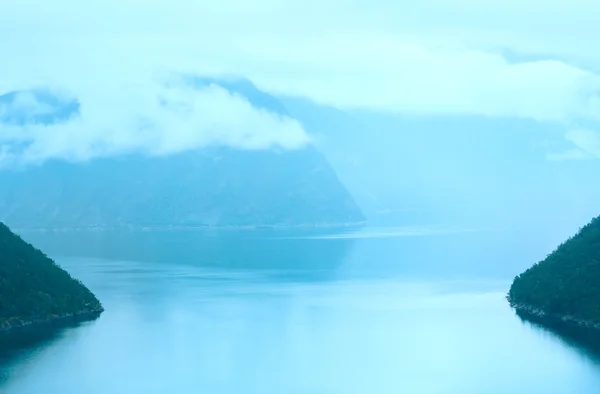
(532, 59)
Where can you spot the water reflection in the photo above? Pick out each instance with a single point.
(231, 250)
(272, 312)
(20, 347)
(162, 266)
(437, 252)
(584, 340)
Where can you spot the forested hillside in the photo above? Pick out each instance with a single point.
(567, 283)
(33, 289)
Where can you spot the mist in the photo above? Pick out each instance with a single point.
(151, 119)
(423, 118)
(318, 196)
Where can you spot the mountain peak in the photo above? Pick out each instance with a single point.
(242, 87)
(36, 106)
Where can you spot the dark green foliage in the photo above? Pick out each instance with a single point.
(567, 282)
(33, 288)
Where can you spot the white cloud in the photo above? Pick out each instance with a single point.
(25, 101)
(429, 58)
(585, 140)
(385, 74)
(382, 55)
(570, 154)
(150, 119)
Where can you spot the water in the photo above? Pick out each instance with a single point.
(389, 310)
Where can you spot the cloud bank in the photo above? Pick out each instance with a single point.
(496, 58)
(151, 118)
(587, 142)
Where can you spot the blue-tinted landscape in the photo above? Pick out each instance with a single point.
(386, 309)
(316, 197)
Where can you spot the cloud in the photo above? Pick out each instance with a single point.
(26, 102)
(378, 55)
(153, 118)
(570, 154)
(383, 74)
(585, 140)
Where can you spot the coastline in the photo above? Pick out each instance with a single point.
(192, 227)
(543, 316)
(14, 324)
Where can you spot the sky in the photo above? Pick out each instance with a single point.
(533, 60)
(514, 64)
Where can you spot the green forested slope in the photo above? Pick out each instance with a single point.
(34, 289)
(567, 282)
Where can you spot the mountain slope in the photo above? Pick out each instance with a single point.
(33, 289)
(565, 285)
(462, 169)
(36, 106)
(214, 186)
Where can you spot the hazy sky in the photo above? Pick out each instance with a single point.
(531, 59)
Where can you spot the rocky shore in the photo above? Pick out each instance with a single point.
(542, 315)
(17, 323)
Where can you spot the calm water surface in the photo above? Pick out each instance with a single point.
(388, 310)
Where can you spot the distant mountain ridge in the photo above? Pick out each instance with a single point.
(216, 188)
(212, 187)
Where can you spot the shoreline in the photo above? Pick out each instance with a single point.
(14, 324)
(543, 316)
(191, 227)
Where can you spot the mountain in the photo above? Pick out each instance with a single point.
(33, 289)
(566, 284)
(214, 186)
(478, 170)
(36, 106)
(244, 88)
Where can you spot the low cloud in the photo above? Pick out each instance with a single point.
(570, 154)
(587, 141)
(382, 55)
(392, 75)
(386, 56)
(147, 117)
